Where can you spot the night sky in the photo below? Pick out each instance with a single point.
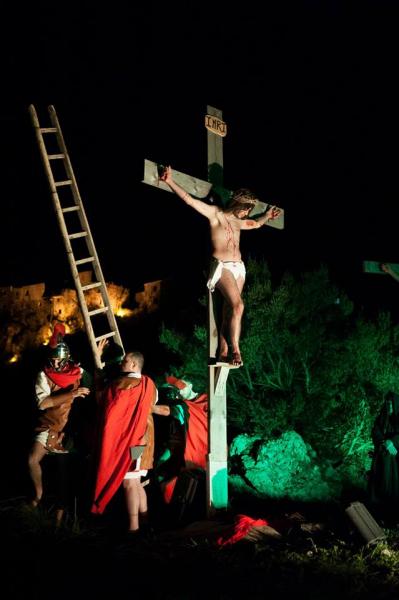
(310, 96)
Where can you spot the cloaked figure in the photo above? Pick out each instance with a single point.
(126, 438)
(187, 445)
(384, 474)
(57, 386)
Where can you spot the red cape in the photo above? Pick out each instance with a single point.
(197, 434)
(124, 422)
(196, 448)
(66, 377)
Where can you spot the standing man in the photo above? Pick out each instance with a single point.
(227, 272)
(383, 485)
(126, 438)
(187, 445)
(57, 386)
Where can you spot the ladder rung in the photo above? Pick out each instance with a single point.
(71, 208)
(98, 311)
(62, 183)
(74, 236)
(55, 156)
(83, 261)
(48, 129)
(105, 336)
(91, 286)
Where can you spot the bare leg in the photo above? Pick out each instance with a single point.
(132, 496)
(231, 290)
(136, 502)
(143, 508)
(59, 513)
(223, 350)
(37, 453)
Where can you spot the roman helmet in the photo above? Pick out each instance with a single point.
(185, 388)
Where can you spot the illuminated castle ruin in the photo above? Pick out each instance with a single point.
(27, 314)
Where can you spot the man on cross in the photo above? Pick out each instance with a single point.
(227, 271)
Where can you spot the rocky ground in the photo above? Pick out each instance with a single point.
(312, 552)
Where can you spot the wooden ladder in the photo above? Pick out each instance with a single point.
(71, 215)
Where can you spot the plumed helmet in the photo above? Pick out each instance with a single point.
(57, 348)
(178, 383)
(61, 351)
(184, 387)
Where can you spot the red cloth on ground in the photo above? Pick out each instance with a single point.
(242, 524)
(196, 448)
(63, 378)
(125, 413)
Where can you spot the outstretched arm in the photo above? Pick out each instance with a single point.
(161, 409)
(204, 209)
(388, 269)
(272, 213)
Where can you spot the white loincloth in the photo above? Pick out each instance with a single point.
(236, 268)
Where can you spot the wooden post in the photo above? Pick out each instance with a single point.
(216, 131)
(217, 473)
(214, 121)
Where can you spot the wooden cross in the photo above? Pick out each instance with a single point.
(217, 473)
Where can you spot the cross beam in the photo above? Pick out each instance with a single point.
(373, 266)
(198, 188)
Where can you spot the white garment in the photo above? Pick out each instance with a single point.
(236, 268)
(137, 473)
(42, 437)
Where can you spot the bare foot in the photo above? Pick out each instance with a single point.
(223, 354)
(223, 358)
(236, 359)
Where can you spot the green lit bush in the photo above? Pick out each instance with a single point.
(311, 364)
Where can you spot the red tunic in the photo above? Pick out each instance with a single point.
(127, 404)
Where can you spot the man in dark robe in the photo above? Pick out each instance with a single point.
(188, 437)
(384, 475)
